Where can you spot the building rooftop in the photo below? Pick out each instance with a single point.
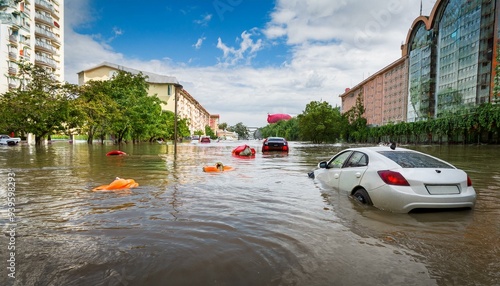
(152, 77)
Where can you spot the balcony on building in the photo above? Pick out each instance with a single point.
(13, 56)
(44, 33)
(26, 10)
(8, 3)
(39, 17)
(41, 46)
(24, 55)
(13, 39)
(11, 19)
(45, 61)
(44, 5)
(12, 71)
(56, 40)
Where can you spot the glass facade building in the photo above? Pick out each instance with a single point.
(420, 76)
(450, 58)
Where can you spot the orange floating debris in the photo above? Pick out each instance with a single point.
(118, 184)
(219, 167)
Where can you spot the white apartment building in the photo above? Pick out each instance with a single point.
(30, 31)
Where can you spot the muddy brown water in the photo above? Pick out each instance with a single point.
(263, 223)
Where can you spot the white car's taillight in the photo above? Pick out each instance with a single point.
(393, 178)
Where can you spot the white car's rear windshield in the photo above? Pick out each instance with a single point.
(414, 160)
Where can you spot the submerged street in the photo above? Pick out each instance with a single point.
(262, 223)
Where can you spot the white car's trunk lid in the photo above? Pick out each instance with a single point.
(435, 181)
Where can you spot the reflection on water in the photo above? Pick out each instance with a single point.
(265, 223)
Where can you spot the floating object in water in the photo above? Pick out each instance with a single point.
(117, 184)
(273, 118)
(219, 167)
(244, 151)
(116, 153)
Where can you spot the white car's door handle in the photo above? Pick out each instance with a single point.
(358, 174)
(336, 176)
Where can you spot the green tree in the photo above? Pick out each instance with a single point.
(167, 128)
(209, 132)
(320, 122)
(241, 130)
(355, 129)
(40, 105)
(98, 107)
(199, 132)
(130, 93)
(284, 128)
(223, 126)
(144, 117)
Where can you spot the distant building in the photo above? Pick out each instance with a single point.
(214, 122)
(161, 85)
(448, 62)
(31, 31)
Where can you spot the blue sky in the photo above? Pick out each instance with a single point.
(243, 59)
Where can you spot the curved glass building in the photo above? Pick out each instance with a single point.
(451, 60)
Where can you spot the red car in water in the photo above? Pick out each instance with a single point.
(275, 144)
(205, 139)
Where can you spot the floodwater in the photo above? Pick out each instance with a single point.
(263, 223)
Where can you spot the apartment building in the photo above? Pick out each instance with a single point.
(383, 94)
(163, 86)
(448, 62)
(190, 108)
(31, 31)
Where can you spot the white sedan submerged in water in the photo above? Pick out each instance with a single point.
(7, 140)
(396, 179)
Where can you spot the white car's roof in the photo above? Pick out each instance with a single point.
(374, 152)
(379, 148)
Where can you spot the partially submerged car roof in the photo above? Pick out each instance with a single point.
(407, 158)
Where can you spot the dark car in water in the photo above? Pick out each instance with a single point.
(275, 144)
(205, 139)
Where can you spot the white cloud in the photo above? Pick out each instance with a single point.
(333, 45)
(204, 21)
(199, 42)
(246, 50)
(77, 13)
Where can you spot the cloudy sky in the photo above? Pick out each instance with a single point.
(243, 59)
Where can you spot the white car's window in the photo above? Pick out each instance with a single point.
(357, 159)
(338, 161)
(414, 160)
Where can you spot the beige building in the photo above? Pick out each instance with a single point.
(163, 86)
(384, 94)
(31, 31)
(188, 107)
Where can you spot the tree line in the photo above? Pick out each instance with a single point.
(322, 123)
(119, 108)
